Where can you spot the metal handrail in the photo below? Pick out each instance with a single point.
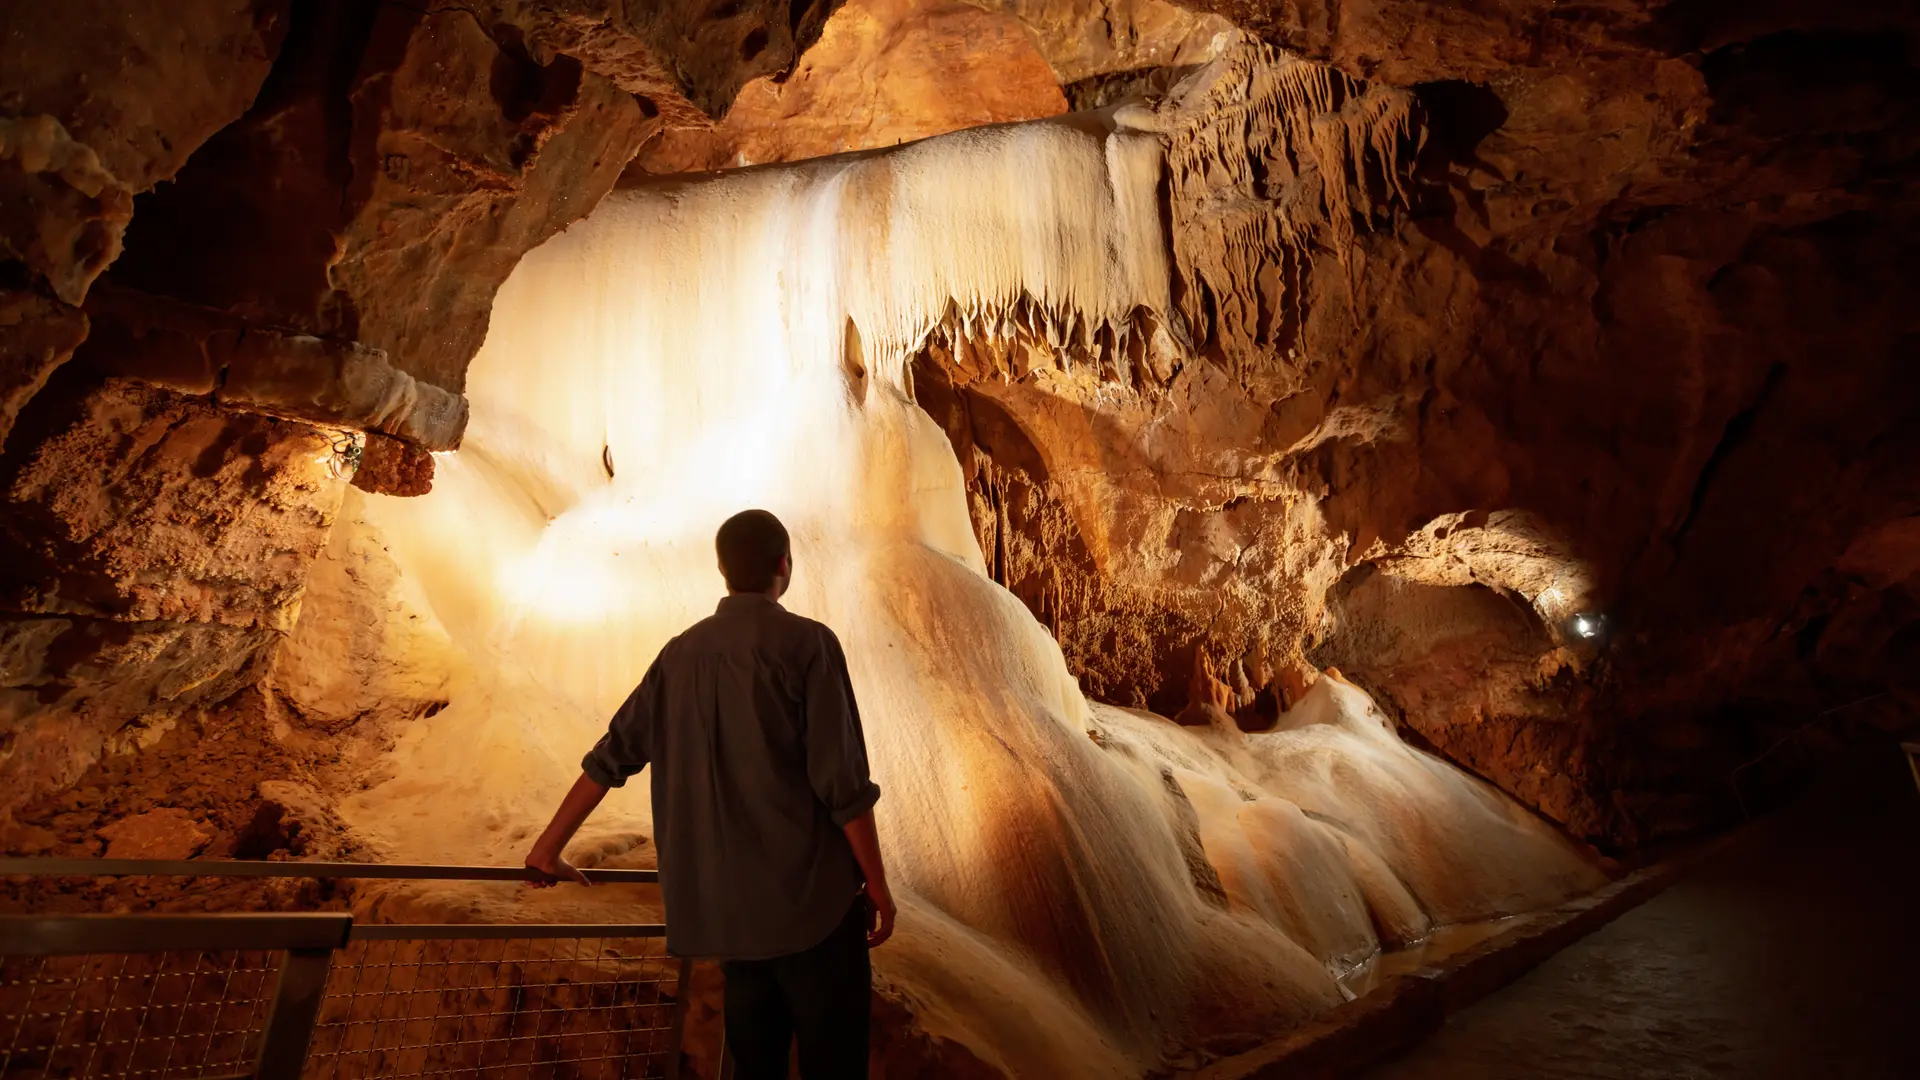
(499, 931)
(61, 935)
(48, 867)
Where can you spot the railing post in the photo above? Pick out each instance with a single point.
(296, 1008)
(681, 996)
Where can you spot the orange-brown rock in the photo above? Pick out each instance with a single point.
(153, 548)
(37, 334)
(1433, 418)
(883, 72)
(195, 350)
(100, 101)
(385, 206)
(241, 774)
(891, 71)
(390, 466)
(72, 684)
(140, 504)
(166, 833)
(688, 61)
(1086, 40)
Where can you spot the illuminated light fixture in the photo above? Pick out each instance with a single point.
(1587, 625)
(344, 451)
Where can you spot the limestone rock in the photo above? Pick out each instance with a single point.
(69, 683)
(687, 61)
(458, 157)
(143, 505)
(153, 549)
(100, 101)
(61, 214)
(389, 466)
(883, 72)
(890, 71)
(37, 335)
(166, 833)
(1503, 318)
(194, 350)
(367, 645)
(1084, 40)
(292, 816)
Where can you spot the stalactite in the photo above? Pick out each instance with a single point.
(1270, 160)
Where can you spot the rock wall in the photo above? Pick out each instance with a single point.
(886, 72)
(154, 550)
(390, 174)
(1615, 333)
(99, 103)
(271, 231)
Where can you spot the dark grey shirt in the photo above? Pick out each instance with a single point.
(758, 759)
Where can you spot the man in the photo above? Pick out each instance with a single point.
(762, 813)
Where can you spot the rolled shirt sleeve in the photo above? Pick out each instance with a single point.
(836, 745)
(622, 751)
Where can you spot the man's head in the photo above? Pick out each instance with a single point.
(754, 554)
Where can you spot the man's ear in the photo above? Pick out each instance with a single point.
(786, 566)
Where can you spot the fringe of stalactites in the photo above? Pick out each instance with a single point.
(1042, 242)
(1271, 158)
(1138, 351)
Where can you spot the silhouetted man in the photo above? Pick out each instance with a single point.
(762, 813)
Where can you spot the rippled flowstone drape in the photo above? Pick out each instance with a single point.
(1089, 891)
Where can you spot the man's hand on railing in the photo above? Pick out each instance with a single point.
(553, 868)
(546, 858)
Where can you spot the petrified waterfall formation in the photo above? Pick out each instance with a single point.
(1087, 888)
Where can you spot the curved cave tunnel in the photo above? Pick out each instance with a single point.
(1294, 484)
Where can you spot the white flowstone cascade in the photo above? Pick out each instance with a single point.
(1087, 892)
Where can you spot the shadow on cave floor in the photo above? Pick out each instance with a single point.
(1791, 952)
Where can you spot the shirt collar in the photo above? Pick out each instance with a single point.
(739, 602)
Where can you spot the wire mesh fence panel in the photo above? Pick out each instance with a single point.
(150, 1016)
(498, 1008)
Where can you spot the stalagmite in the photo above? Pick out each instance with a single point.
(1088, 891)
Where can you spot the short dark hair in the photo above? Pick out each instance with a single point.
(751, 544)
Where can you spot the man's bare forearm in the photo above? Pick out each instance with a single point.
(580, 802)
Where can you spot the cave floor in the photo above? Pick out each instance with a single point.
(1790, 952)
